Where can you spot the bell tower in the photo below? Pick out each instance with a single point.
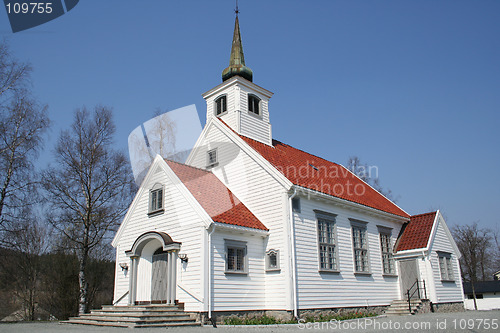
(239, 102)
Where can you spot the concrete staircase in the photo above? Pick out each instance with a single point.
(136, 316)
(399, 307)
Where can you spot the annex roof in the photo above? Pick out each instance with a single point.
(315, 173)
(482, 287)
(215, 198)
(416, 233)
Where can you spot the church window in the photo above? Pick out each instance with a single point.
(220, 105)
(272, 260)
(327, 243)
(253, 104)
(156, 199)
(236, 257)
(212, 158)
(446, 266)
(360, 247)
(386, 250)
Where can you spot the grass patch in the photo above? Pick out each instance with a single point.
(266, 320)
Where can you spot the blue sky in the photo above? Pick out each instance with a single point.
(412, 87)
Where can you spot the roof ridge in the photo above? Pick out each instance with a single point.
(434, 212)
(190, 166)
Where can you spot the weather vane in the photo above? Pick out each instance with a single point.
(236, 10)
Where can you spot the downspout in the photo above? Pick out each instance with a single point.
(209, 301)
(293, 252)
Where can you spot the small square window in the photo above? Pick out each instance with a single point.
(212, 158)
(272, 260)
(236, 257)
(156, 199)
(296, 204)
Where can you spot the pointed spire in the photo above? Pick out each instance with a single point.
(237, 59)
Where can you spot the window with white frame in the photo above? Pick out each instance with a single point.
(386, 250)
(327, 244)
(212, 158)
(446, 266)
(236, 257)
(360, 247)
(253, 104)
(156, 199)
(273, 260)
(220, 105)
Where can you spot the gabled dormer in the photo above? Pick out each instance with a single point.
(239, 102)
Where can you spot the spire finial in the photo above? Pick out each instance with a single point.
(237, 59)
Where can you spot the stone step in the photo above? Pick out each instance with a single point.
(400, 307)
(142, 308)
(183, 317)
(154, 315)
(136, 313)
(80, 321)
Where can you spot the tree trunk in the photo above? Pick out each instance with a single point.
(474, 294)
(82, 305)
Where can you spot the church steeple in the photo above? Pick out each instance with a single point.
(237, 59)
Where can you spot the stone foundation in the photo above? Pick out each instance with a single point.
(448, 307)
(316, 314)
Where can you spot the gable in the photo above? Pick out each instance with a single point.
(417, 232)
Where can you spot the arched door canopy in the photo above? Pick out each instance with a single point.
(165, 240)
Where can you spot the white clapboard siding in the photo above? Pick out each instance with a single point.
(251, 125)
(445, 292)
(182, 224)
(235, 292)
(263, 196)
(344, 289)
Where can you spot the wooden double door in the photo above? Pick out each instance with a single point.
(159, 274)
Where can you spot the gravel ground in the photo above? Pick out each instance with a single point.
(469, 321)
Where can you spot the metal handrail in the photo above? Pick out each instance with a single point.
(119, 299)
(417, 290)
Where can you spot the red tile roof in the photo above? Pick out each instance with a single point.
(217, 200)
(318, 174)
(416, 233)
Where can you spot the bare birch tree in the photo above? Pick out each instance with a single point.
(23, 123)
(89, 188)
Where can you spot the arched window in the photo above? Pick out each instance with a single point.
(220, 105)
(273, 260)
(253, 104)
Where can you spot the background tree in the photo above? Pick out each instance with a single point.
(89, 188)
(156, 136)
(23, 268)
(368, 174)
(23, 123)
(478, 253)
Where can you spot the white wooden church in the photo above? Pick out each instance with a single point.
(250, 223)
